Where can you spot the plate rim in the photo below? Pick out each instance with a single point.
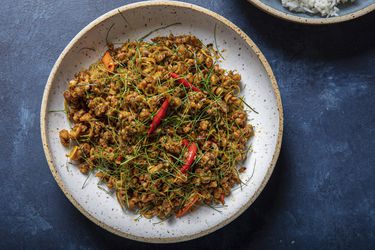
(51, 78)
(310, 20)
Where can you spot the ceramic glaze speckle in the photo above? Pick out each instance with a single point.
(259, 88)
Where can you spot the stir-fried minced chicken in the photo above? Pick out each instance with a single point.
(191, 157)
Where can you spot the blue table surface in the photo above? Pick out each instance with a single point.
(322, 192)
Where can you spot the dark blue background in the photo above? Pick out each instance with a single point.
(321, 194)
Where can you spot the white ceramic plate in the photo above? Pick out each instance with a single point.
(260, 90)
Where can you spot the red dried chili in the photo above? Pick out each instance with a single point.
(185, 209)
(185, 142)
(222, 198)
(159, 116)
(192, 152)
(184, 82)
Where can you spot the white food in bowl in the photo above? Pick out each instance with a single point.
(323, 7)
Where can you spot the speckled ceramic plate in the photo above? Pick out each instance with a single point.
(259, 88)
(347, 12)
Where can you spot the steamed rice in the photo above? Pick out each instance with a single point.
(324, 7)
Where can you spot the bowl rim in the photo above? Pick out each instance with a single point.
(51, 78)
(311, 20)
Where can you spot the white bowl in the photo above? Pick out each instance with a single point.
(260, 91)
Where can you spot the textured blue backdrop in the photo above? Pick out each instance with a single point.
(322, 193)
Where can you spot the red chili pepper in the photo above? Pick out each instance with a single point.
(185, 209)
(184, 82)
(222, 198)
(119, 159)
(185, 142)
(192, 151)
(159, 116)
